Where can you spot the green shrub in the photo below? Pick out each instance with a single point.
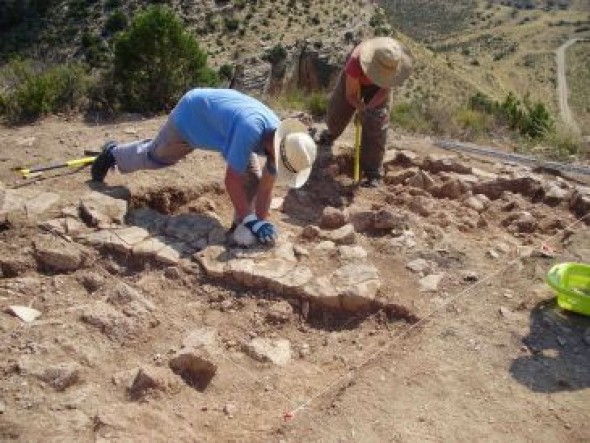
(226, 71)
(537, 121)
(33, 92)
(13, 13)
(563, 143)
(511, 111)
(410, 117)
(289, 99)
(112, 4)
(528, 119)
(473, 123)
(317, 104)
(156, 61)
(275, 54)
(94, 49)
(481, 102)
(116, 22)
(232, 24)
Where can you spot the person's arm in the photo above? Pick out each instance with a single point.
(234, 183)
(378, 98)
(264, 231)
(264, 194)
(353, 93)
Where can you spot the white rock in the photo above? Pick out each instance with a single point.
(276, 351)
(418, 265)
(24, 313)
(325, 246)
(352, 252)
(430, 282)
(244, 237)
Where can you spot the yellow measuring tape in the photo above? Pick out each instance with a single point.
(76, 163)
(357, 147)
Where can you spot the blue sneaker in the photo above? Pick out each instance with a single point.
(104, 162)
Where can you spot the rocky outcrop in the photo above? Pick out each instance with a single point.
(306, 65)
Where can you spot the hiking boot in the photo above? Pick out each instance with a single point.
(104, 162)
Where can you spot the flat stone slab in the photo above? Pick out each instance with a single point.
(159, 249)
(119, 240)
(191, 227)
(27, 202)
(55, 254)
(101, 210)
(352, 287)
(147, 218)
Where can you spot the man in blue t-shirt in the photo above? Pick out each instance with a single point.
(240, 128)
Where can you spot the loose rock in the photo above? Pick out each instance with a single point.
(61, 376)
(430, 283)
(352, 252)
(109, 321)
(333, 218)
(279, 313)
(102, 211)
(196, 361)
(25, 313)
(92, 281)
(342, 236)
(310, 232)
(230, 409)
(148, 378)
(277, 351)
(419, 265)
(55, 254)
(386, 219)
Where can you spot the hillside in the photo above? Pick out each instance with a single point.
(461, 47)
(497, 46)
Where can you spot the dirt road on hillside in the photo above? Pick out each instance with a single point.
(562, 91)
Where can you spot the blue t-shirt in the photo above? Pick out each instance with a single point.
(224, 120)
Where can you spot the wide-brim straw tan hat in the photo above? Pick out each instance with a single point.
(295, 153)
(385, 61)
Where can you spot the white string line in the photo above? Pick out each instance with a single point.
(255, 378)
(396, 338)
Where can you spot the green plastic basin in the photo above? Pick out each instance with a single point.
(571, 283)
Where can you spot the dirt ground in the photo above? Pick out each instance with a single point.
(484, 355)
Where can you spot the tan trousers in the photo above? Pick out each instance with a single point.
(167, 149)
(374, 122)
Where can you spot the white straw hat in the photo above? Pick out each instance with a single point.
(385, 61)
(295, 153)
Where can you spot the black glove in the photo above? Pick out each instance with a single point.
(264, 231)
